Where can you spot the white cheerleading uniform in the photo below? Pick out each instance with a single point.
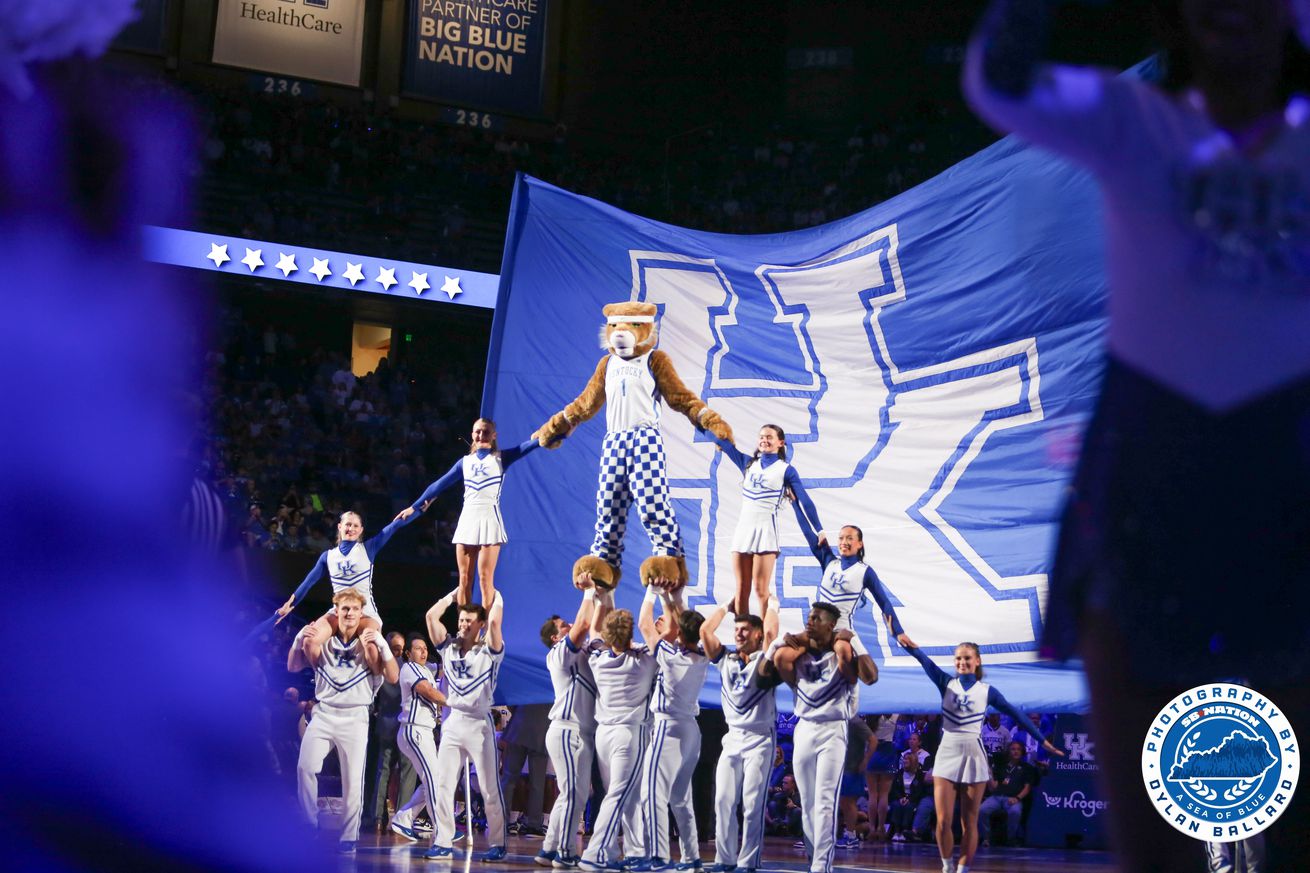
(623, 686)
(762, 491)
(344, 687)
(469, 734)
(742, 772)
(825, 702)
(416, 737)
(961, 757)
(353, 569)
(764, 485)
(480, 523)
(483, 472)
(843, 587)
(570, 742)
(674, 749)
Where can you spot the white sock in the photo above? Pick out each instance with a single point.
(948, 866)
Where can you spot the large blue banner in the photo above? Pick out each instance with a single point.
(488, 54)
(933, 361)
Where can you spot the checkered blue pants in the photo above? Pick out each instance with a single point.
(632, 469)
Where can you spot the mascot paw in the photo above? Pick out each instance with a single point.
(664, 572)
(553, 432)
(603, 575)
(714, 423)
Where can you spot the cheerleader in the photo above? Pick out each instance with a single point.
(349, 565)
(961, 765)
(767, 478)
(846, 578)
(480, 531)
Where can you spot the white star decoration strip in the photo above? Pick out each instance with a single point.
(322, 270)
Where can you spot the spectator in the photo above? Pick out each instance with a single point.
(783, 811)
(1010, 786)
(911, 802)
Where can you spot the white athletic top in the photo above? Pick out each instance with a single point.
(575, 687)
(1207, 247)
(482, 480)
(623, 683)
(746, 706)
(632, 399)
(762, 489)
(844, 589)
(341, 675)
(354, 570)
(470, 677)
(964, 711)
(679, 681)
(413, 708)
(822, 692)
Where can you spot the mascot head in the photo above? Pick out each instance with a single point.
(629, 328)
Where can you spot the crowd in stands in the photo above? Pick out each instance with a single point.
(339, 178)
(295, 438)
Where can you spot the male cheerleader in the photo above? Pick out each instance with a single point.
(675, 739)
(747, 684)
(349, 666)
(571, 738)
(420, 702)
(624, 674)
(471, 665)
(823, 676)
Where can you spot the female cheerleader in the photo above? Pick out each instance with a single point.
(767, 478)
(348, 564)
(480, 531)
(846, 578)
(961, 764)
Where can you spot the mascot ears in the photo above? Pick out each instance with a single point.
(634, 310)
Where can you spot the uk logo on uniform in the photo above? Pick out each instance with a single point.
(1221, 762)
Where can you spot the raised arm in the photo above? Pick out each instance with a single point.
(1071, 110)
(865, 667)
(299, 594)
(374, 544)
(680, 398)
(495, 618)
(734, 454)
(581, 626)
(437, 630)
(709, 630)
(604, 605)
(771, 622)
(583, 407)
(935, 673)
(822, 551)
(448, 478)
(1021, 722)
(804, 506)
(646, 618)
(873, 585)
(513, 453)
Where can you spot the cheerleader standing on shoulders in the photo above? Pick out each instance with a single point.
(767, 479)
(481, 530)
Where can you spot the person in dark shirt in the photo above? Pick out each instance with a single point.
(1012, 782)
